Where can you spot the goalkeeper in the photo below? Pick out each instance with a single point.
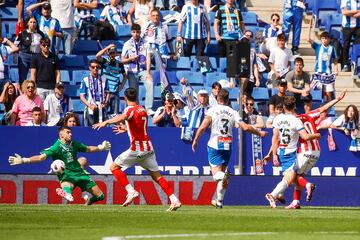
(66, 150)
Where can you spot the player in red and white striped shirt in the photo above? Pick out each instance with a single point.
(141, 151)
(308, 152)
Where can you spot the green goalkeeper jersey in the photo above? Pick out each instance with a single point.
(67, 153)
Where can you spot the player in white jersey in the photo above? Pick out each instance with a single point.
(286, 132)
(222, 120)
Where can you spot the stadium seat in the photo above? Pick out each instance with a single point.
(309, 6)
(171, 76)
(157, 92)
(214, 77)
(123, 32)
(250, 18)
(212, 49)
(96, 12)
(183, 63)
(194, 78)
(9, 14)
(8, 30)
(173, 31)
(142, 93)
(119, 44)
(212, 18)
(260, 94)
(14, 74)
(72, 90)
(195, 63)
(85, 47)
(233, 94)
(88, 58)
(316, 95)
(72, 62)
(78, 76)
(78, 105)
(332, 20)
(330, 6)
(65, 76)
(222, 64)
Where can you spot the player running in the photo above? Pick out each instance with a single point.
(286, 132)
(66, 149)
(140, 152)
(222, 120)
(308, 152)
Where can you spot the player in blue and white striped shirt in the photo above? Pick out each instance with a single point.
(197, 27)
(350, 26)
(325, 57)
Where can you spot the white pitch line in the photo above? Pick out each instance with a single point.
(215, 235)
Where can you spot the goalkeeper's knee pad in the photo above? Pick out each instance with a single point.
(219, 176)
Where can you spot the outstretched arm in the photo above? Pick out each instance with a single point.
(104, 146)
(204, 125)
(17, 159)
(118, 118)
(251, 129)
(334, 101)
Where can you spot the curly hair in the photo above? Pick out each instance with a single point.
(71, 115)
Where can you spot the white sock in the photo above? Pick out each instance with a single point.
(220, 191)
(173, 198)
(295, 202)
(308, 184)
(280, 188)
(129, 188)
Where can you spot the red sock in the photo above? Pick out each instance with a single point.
(120, 176)
(302, 182)
(165, 186)
(297, 194)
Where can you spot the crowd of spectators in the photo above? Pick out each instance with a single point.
(43, 26)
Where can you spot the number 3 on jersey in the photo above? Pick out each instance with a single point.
(224, 128)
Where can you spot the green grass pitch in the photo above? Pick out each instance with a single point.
(113, 222)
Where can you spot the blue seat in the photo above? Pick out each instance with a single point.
(212, 18)
(355, 54)
(222, 65)
(78, 76)
(96, 12)
(72, 62)
(119, 44)
(157, 92)
(194, 78)
(310, 6)
(214, 77)
(212, 49)
(173, 31)
(316, 95)
(89, 58)
(14, 74)
(250, 18)
(260, 94)
(72, 90)
(183, 63)
(8, 29)
(86, 47)
(65, 76)
(78, 105)
(329, 6)
(195, 63)
(171, 77)
(333, 20)
(123, 31)
(233, 94)
(142, 93)
(9, 14)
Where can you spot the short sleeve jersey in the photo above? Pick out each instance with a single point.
(289, 127)
(223, 120)
(67, 153)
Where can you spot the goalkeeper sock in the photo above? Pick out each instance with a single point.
(220, 191)
(280, 188)
(165, 186)
(121, 177)
(95, 199)
(301, 182)
(67, 189)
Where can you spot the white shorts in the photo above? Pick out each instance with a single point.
(305, 161)
(145, 159)
(329, 87)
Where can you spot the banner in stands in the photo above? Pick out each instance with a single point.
(191, 190)
(174, 156)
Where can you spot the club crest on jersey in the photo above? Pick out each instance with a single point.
(150, 32)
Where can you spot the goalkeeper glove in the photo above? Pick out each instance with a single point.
(104, 146)
(17, 159)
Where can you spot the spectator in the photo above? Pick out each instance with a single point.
(114, 13)
(182, 107)
(197, 28)
(71, 120)
(48, 25)
(172, 5)
(22, 13)
(6, 49)
(326, 59)
(24, 104)
(273, 29)
(254, 79)
(350, 26)
(157, 37)
(133, 57)
(279, 97)
(278, 110)
(84, 19)
(279, 60)
(197, 113)
(167, 115)
(28, 42)
(37, 118)
(64, 12)
(94, 93)
(349, 121)
(45, 69)
(215, 88)
(8, 97)
(56, 105)
(228, 25)
(114, 71)
(140, 10)
(298, 83)
(250, 115)
(293, 14)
